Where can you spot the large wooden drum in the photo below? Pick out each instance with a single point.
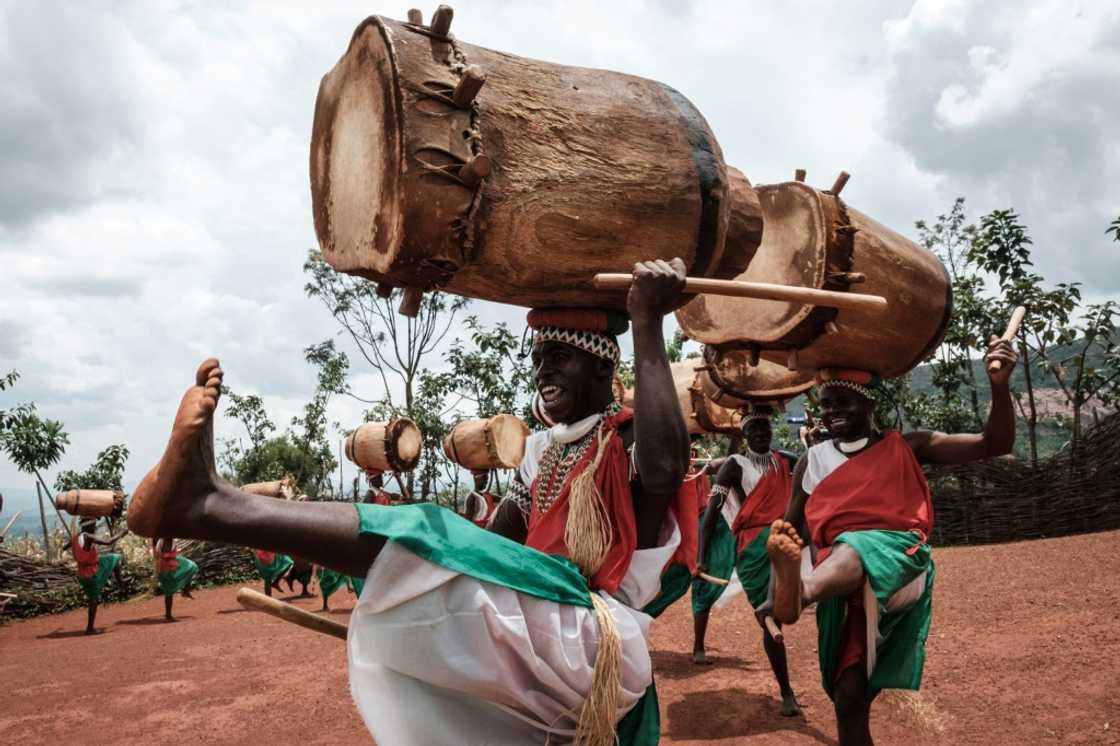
(89, 503)
(495, 443)
(385, 446)
(284, 488)
(701, 414)
(729, 379)
(811, 238)
(517, 191)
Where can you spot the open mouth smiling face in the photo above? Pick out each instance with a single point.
(845, 413)
(564, 377)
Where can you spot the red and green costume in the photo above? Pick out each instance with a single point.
(271, 565)
(175, 572)
(94, 569)
(678, 576)
(878, 503)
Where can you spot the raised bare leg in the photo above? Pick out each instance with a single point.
(840, 575)
(699, 630)
(184, 496)
(784, 547)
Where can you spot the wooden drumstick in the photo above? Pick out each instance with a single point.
(712, 579)
(773, 628)
(251, 599)
(1012, 329)
(761, 290)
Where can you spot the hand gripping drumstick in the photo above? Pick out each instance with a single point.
(762, 290)
(251, 599)
(1012, 329)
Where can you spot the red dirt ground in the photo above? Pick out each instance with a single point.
(1025, 649)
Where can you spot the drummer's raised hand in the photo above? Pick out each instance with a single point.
(1004, 352)
(656, 286)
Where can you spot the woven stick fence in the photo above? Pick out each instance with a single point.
(1007, 500)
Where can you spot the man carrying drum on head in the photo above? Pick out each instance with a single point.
(867, 508)
(94, 568)
(527, 632)
(751, 491)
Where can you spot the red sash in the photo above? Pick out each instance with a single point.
(87, 559)
(546, 532)
(691, 500)
(881, 488)
(169, 561)
(766, 503)
(265, 558)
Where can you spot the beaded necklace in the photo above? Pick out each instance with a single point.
(557, 462)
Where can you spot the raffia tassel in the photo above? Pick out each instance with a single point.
(588, 530)
(597, 715)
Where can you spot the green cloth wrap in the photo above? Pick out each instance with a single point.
(329, 581)
(276, 570)
(721, 562)
(356, 585)
(449, 540)
(675, 581)
(93, 586)
(172, 582)
(753, 568)
(901, 655)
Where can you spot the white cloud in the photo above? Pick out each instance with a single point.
(154, 198)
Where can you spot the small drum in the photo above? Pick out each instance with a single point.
(385, 446)
(284, 488)
(90, 503)
(496, 443)
(439, 164)
(812, 239)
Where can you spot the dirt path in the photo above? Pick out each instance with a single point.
(1025, 649)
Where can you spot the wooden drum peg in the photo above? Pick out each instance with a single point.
(754, 355)
(415, 17)
(384, 290)
(831, 328)
(468, 86)
(852, 278)
(441, 21)
(475, 170)
(410, 303)
(799, 175)
(838, 185)
(791, 360)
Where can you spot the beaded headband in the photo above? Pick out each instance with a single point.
(597, 343)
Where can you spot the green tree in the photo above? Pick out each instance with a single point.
(1079, 374)
(105, 473)
(396, 347)
(310, 434)
(34, 444)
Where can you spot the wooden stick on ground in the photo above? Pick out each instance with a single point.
(762, 290)
(1012, 329)
(713, 579)
(251, 599)
(773, 628)
(13, 520)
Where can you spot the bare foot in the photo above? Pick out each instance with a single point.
(700, 658)
(784, 547)
(790, 705)
(171, 496)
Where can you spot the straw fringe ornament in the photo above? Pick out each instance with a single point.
(588, 530)
(597, 715)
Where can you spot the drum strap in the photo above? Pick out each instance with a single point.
(491, 448)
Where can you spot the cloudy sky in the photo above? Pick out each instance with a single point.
(154, 200)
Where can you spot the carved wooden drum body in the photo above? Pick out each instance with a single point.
(701, 414)
(89, 503)
(811, 238)
(519, 191)
(385, 446)
(494, 443)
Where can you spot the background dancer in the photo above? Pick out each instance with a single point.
(175, 574)
(752, 490)
(867, 507)
(94, 568)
